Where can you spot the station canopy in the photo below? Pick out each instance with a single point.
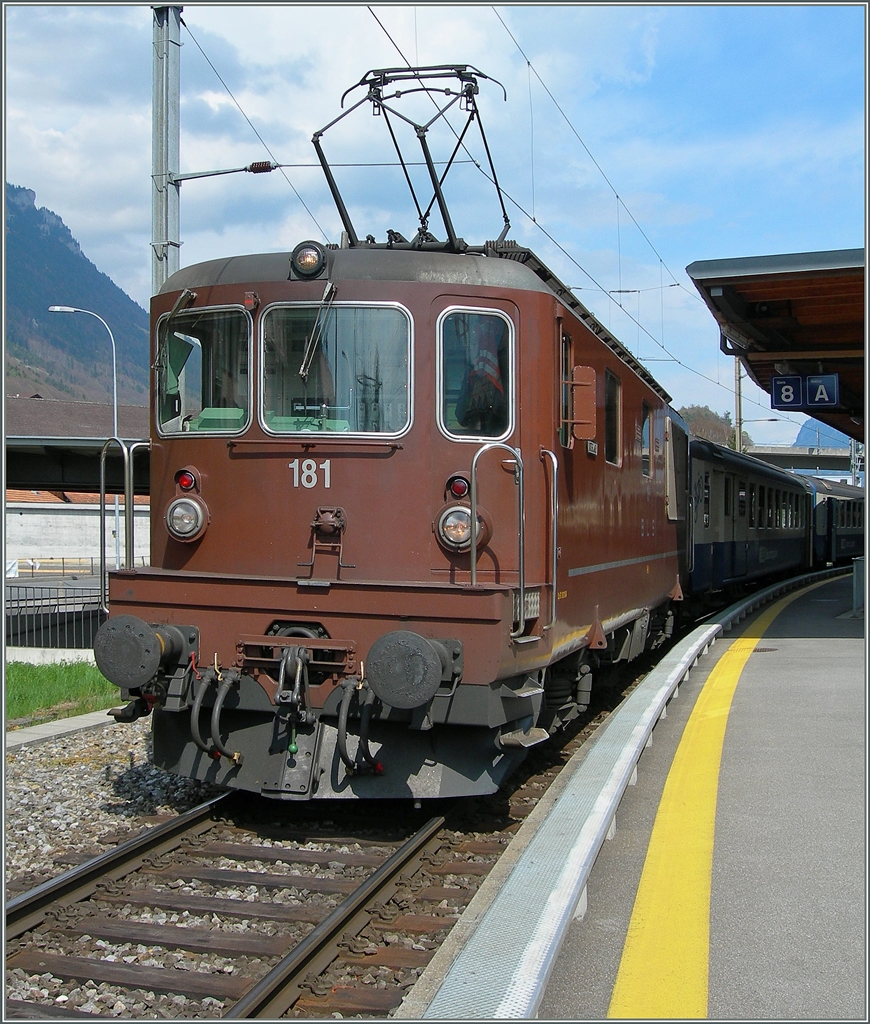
(795, 315)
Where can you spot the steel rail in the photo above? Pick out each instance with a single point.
(27, 910)
(271, 997)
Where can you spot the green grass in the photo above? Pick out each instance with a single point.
(45, 692)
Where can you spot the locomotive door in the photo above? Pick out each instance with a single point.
(477, 385)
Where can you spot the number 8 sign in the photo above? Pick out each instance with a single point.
(786, 392)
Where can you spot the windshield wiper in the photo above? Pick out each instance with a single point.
(317, 331)
(184, 299)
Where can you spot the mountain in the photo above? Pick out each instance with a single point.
(819, 435)
(64, 355)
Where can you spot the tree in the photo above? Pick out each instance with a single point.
(703, 422)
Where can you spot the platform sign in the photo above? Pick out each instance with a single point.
(822, 392)
(786, 392)
(819, 392)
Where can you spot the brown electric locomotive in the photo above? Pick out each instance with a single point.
(406, 498)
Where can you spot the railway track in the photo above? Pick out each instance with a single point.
(219, 913)
(206, 917)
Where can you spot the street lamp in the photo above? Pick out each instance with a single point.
(75, 309)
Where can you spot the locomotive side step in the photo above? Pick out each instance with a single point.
(518, 738)
(528, 689)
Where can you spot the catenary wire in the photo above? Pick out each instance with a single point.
(254, 130)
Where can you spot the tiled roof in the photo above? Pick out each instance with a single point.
(47, 417)
(20, 497)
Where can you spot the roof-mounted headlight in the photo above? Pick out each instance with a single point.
(308, 259)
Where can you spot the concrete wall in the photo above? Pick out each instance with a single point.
(49, 655)
(70, 531)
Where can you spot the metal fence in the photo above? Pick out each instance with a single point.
(59, 616)
(33, 568)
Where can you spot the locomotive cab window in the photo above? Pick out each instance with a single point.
(343, 369)
(646, 417)
(202, 371)
(475, 374)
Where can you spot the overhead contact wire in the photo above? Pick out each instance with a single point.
(279, 166)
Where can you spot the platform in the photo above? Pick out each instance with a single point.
(737, 865)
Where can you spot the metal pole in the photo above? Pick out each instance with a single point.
(165, 131)
(76, 309)
(738, 408)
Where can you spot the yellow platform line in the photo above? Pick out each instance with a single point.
(663, 973)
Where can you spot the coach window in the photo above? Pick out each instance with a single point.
(342, 369)
(762, 511)
(475, 374)
(752, 512)
(741, 499)
(706, 499)
(727, 497)
(202, 371)
(612, 417)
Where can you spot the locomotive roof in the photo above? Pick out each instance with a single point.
(364, 264)
(499, 265)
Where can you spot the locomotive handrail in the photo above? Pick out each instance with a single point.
(547, 455)
(521, 515)
(127, 454)
(129, 520)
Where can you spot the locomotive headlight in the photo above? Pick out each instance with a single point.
(308, 259)
(454, 527)
(185, 519)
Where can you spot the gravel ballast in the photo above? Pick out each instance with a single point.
(62, 795)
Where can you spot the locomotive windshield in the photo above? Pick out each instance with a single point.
(344, 369)
(202, 371)
(475, 374)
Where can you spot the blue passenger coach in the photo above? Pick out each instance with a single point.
(749, 519)
(838, 520)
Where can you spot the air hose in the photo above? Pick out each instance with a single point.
(226, 682)
(364, 762)
(206, 680)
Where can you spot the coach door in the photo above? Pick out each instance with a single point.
(735, 535)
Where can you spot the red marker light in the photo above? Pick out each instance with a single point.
(185, 480)
(458, 487)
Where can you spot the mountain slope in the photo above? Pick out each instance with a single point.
(59, 355)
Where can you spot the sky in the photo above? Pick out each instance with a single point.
(634, 140)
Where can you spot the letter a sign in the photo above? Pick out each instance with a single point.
(823, 392)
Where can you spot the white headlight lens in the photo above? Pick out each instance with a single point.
(184, 518)
(454, 527)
